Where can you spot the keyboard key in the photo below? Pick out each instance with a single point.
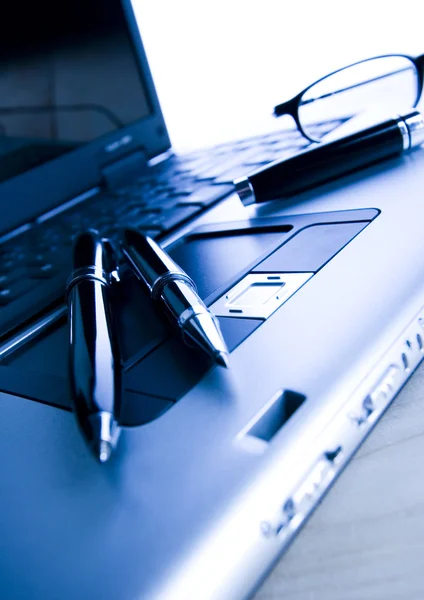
(9, 278)
(166, 219)
(174, 217)
(5, 296)
(229, 177)
(148, 221)
(17, 289)
(163, 202)
(37, 260)
(162, 198)
(184, 190)
(7, 264)
(45, 271)
(206, 195)
(212, 171)
(254, 164)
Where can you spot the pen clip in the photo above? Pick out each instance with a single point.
(112, 261)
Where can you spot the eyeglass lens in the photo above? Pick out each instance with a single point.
(387, 85)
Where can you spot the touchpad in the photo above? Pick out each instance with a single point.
(211, 259)
(244, 270)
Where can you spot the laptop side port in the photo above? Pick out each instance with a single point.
(304, 498)
(257, 434)
(344, 434)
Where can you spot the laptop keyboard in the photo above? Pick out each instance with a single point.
(35, 265)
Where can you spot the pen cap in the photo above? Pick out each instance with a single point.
(93, 258)
(325, 162)
(95, 374)
(88, 250)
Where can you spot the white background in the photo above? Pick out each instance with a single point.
(219, 67)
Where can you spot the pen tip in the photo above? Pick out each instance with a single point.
(103, 451)
(222, 359)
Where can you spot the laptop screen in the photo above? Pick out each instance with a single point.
(68, 75)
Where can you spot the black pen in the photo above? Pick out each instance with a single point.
(176, 292)
(94, 366)
(323, 163)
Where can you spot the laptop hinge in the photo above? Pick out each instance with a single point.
(125, 169)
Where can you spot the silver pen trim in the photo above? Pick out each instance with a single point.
(245, 191)
(164, 280)
(87, 274)
(196, 309)
(403, 128)
(414, 122)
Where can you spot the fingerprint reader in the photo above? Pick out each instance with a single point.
(258, 295)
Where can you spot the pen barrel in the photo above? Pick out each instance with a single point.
(175, 292)
(178, 297)
(94, 361)
(326, 162)
(151, 262)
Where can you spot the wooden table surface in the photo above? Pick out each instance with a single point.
(366, 540)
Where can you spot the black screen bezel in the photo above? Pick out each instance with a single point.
(31, 194)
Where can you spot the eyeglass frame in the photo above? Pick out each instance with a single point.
(291, 107)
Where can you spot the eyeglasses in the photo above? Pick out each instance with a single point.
(391, 84)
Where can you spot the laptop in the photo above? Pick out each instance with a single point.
(320, 299)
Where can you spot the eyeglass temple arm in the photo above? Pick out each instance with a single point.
(280, 109)
(290, 108)
(287, 108)
(419, 63)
